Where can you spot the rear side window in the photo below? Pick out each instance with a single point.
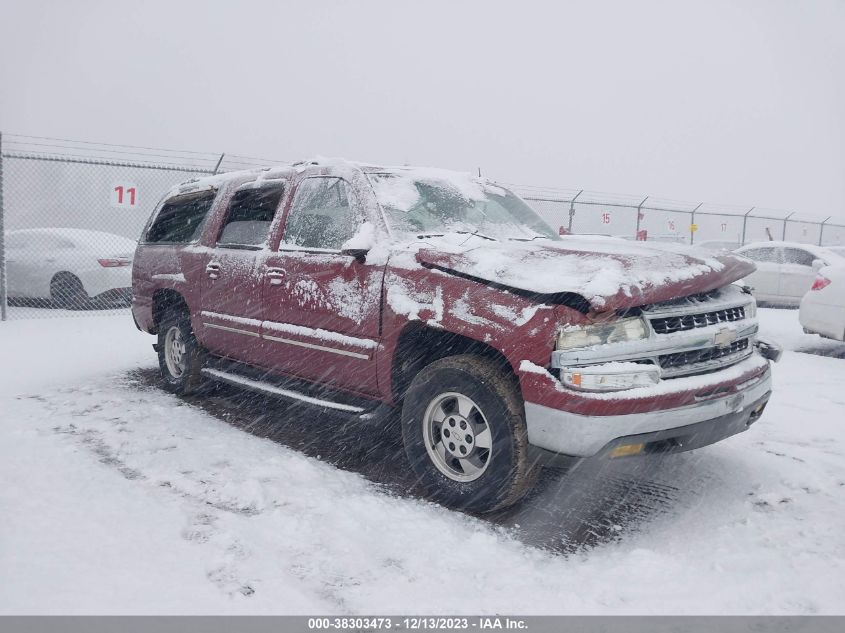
(322, 215)
(181, 218)
(798, 256)
(250, 214)
(770, 255)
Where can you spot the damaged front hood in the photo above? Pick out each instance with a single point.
(609, 274)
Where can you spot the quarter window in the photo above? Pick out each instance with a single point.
(322, 215)
(181, 218)
(250, 214)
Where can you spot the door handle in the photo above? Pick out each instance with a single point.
(213, 270)
(275, 275)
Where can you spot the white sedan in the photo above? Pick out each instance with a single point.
(786, 270)
(823, 307)
(73, 268)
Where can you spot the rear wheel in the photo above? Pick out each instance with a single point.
(463, 426)
(180, 356)
(66, 291)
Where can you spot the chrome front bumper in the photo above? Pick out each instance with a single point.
(584, 436)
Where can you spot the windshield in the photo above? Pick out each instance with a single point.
(424, 204)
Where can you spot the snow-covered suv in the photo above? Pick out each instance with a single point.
(365, 289)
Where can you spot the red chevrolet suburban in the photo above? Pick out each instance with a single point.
(363, 289)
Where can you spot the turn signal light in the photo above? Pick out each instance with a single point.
(820, 282)
(610, 376)
(627, 450)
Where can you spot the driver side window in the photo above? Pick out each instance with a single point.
(322, 214)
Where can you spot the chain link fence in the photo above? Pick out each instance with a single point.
(653, 219)
(72, 211)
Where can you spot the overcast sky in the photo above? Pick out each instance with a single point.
(729, 102)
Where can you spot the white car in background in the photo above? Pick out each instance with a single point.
(786, 270)
(72, 268)
(823, 308)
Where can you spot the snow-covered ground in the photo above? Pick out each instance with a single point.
(116, 497)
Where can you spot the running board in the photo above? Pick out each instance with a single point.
(271, 389)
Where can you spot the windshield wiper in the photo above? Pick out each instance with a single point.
(470, 233)
(529, 239)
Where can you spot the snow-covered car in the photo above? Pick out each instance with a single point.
(366, 290)
(72, 268)
(822, 309)
(785, 270)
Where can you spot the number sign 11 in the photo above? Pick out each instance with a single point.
(124, 195)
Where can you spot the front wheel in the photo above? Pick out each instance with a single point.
(180, 357)
(463, 426)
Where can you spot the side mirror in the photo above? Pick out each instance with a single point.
(818, 264)
(360, 244)
(360, 254)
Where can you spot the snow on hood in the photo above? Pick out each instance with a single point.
(609, 274)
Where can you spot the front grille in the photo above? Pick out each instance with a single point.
(669, 324)
(696, 357)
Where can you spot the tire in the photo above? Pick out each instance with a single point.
(476, 403)
(67, 292)
(180, 356)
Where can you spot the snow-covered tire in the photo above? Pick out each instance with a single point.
(180, 356)
(463, 427)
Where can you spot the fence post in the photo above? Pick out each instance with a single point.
(785, 220)
(572, 210)
(3, 297)
(821, 229)
(744, 222)
(691, 224)
(639, 212)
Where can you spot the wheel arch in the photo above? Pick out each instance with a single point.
(420, 345)
(165, 299)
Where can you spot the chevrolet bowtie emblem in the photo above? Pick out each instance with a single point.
(724, 337)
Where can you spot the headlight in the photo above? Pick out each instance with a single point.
(631, 329)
